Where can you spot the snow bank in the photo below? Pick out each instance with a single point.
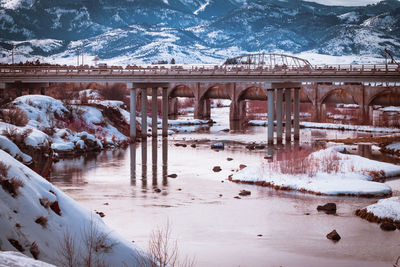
(16, 259)
(20, 228)
(334, 126)
(388, 208)
(354, 175)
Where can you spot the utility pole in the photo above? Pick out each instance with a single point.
(12, 54)
(77, 57)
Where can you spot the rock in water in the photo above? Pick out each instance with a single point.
(244, 193)
(333, 236)
(217, 169)
(328, 208)
(387, 226)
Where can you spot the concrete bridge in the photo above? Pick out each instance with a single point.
(278, 79)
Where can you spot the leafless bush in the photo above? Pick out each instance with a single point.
(397, 263)
(68, 253)
(42, 221)
(162, 251)
(303, 162)
(14, 135)
(96, 244)
(4, 170)
(15, 116)
(34, 250)
(9, 185)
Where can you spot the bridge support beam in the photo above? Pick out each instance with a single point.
(164, 112)
(173, 106)
(270, 94)
(132, 111)
(154, 112)
(279, 124)
(288, 121)
(202, 109)
(296, 113)
(144, 112)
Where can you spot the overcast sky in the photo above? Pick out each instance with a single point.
(345, 2)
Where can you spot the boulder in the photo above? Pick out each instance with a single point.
(328, 208)
(242, 166)
(387, 226)
(217, 169)
(334, 236)
(229, 159)
(244, 193)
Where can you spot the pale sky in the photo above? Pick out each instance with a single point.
(345, 2)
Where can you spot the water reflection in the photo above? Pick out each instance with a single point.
(133, 163)
(154, 161)
(144, 164)
(165, 161)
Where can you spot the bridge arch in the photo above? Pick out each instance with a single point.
(215, 91)
(269, 60)
(181, 90)
(338, 95)
(385, 97)
(254, 92)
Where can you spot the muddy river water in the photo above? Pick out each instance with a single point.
(267, 228)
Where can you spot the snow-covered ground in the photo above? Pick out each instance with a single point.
(65, 129)
(17, 259)
(326, 172)
(40, 221)
(334, 126)
(386, 208)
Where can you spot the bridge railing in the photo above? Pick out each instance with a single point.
(193, 69)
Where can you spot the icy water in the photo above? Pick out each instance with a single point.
(206, 220)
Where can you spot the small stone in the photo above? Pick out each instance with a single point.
(222, 181)
(101, 214)
(244, 193)
(328, 208)
(251, 147)
(220, 195)
(229, 159)
(225, 130)
(217, 169)
(259, 146)
(106, 204)
(218, 145)
(387, 226)
(242, 166)
(157, 190)
(179, 189)
(307, 213)
(237, 197)
(268, 157)
(174, 175)
(193, 145)
(259, 235)
(333, 236)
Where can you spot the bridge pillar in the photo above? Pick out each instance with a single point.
(234, 111)
(296, 113)
(207, 109)
(288, 121)
(173, 106)
(132, 111)
(164, 112)
(202, 109)
(5, 92)
(279, 124)
(270, 94)
(154, 105)
(144, 112)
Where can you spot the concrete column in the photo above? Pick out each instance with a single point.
(279, 115)
(322, 112)
(144, 113)
(234, 113)
(5, 92)
(296, 113)
(207, 109)
(164, 112)
(165, 161)
(173, 106)
(242, 110)
(132, 111)
(270, 116)
(198, 109)
(154, 112)
(133, 163)
(288, 122)
(154, 161)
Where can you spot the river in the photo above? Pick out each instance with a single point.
(267, 228)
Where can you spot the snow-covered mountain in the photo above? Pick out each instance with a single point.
(197, 31)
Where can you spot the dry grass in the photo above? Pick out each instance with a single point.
(16, 136)
(34, 250)
(15, 116)
(11, 185)
(68, 253)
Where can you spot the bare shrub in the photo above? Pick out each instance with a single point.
(14, 135)
(4, 169)
(96, 244)
(15, 116)
(16, 244)
(34, 250)
(42, 221)
(397, 263)
(117, 91)
(78, 125)
(162, 251)
(68, 253)
(45, 202)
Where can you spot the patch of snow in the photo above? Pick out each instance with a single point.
(352, 178)
(390, 109)
(12, 149)
(349, 17)
(202, 7)
(386, 208)
(17, 259)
